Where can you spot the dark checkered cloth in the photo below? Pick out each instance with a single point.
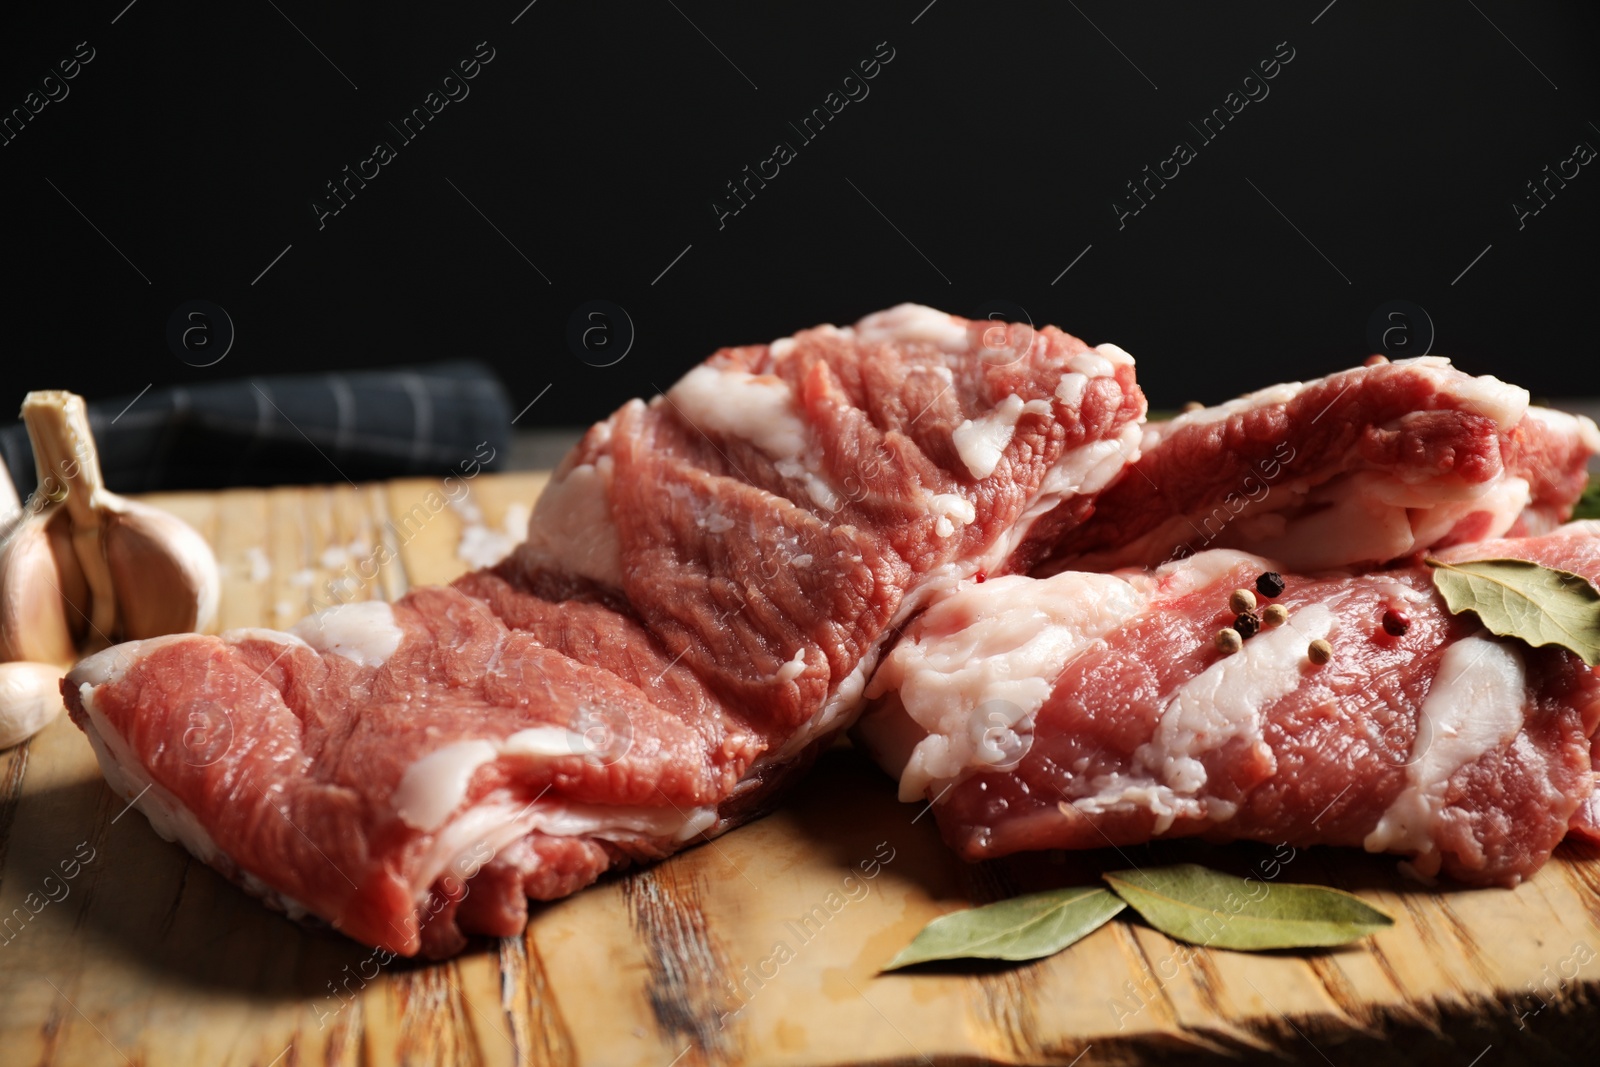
(361, 425)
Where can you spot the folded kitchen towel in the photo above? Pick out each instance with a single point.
(433, 419)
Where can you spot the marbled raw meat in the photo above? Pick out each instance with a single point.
(706, 585)
(1087, 710)
(1359, 468)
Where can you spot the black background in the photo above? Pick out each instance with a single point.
(985, 159)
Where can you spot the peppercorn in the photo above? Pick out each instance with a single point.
(1229, 641)
(1396, 623)
(1248, 623)
(1274, 615)
(1319, 652)
(1241, 600)
(1193, 405)
(1270, 584)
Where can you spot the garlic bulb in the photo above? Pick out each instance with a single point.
(89, 568)
(30, 700)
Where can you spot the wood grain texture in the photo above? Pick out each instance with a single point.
(761, 947)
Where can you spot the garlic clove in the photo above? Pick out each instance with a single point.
(36, 582)
(164, 573)
(10, 505)
(74, 588)
(30, 700)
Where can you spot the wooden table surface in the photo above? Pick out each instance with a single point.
(761, 947)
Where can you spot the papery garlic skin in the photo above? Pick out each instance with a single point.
(42, 591)
(163, 571)
(30, 700)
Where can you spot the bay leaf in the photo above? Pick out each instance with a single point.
(1191, 903)
(1529, 601)
(1589, 503)
(1028, 927)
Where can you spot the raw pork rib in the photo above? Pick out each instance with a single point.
(1087, 710)
(1361, 467)
(704, 590)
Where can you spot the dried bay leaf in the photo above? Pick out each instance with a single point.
(1529, 601)
(1023, 928)
(1191, 903)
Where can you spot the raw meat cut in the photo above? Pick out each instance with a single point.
(1087, 710)
(704, 590)
(1359, 468)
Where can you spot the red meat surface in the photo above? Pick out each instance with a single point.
(1356, 469)
(1130, 744)
(707, 583)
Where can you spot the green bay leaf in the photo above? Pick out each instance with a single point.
(1028, 927)
(1529, 601)
(1191, 903)
(1589, 503)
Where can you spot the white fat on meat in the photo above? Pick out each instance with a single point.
(1094, 362)
(1352, 517)
(464, 845)
(1474, 707)
(1564, 424)
(544, 741)
(1371, 515)
(1081, 471)
(794, 668)
(1501, 402)
(364, 632)
(1581, 529)
(260, 633)
(110, 664)
(978, 666)
(1071, 387)
(916, 324)
(950, 511)
(1501, 501)
(435, 785)
(572, 527)
(1091, 467)
(758, 408)
(982, 441)
(761, 409)
(1182, 577)
(612, 822)
(1114, 354)
(1223, 704)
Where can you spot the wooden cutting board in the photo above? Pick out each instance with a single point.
(761, 947)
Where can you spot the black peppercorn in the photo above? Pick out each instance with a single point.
(1248, 623)
(1270, 584)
